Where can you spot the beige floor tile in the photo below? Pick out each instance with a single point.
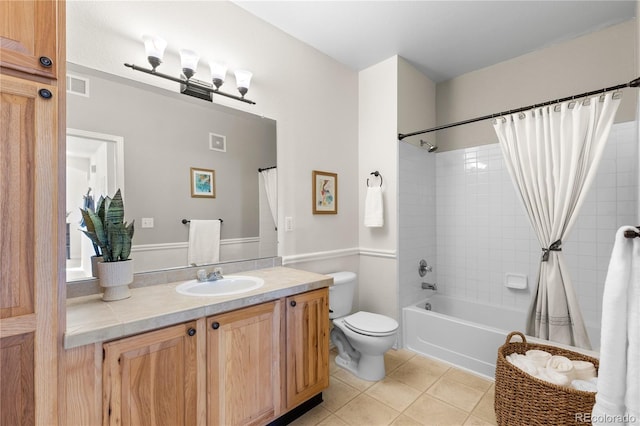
(312, 417)
(332, 420)
(337, 394)
(456, 393)
(364, 410)
(401, 354)
(333, 367)
(419, 372)
(404, 420)
(474, 421)
(391, 362)
(393, 393)
(469, 379)
(351, 379)
(431, 411)
(484, 410)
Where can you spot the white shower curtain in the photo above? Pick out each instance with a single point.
(270, 180)
(552, 154)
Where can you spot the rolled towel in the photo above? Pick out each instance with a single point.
(584, 385)
(583, 370)
(553, 376)
(562, 365)
(539, 358)
(523, 363)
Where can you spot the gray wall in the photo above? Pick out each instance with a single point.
(165, 134)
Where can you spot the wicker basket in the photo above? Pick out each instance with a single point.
(522, 399)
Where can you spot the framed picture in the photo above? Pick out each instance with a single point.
(325, 192)
(203, 183)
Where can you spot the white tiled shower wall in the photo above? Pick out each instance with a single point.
(482, 231)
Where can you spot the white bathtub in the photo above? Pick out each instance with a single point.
(460, 332)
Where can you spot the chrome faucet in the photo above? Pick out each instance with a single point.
(202, 275)
(429, 286)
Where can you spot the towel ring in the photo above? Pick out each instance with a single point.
(376, 174)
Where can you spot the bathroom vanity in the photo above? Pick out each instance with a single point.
(161, 357)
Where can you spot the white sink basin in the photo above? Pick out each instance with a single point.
(231, 284)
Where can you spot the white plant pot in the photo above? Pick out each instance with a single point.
(94, 265)
(115, 278)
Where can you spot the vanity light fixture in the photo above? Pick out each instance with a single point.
(154, 48)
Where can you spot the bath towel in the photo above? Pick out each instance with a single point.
(618, 396)
(561, 365)
(584, 370)
(373, 209)
(585, 385)
(523, 363)
(553, 376)
(539, 358)
(204, 242)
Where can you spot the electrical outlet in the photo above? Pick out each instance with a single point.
(288, 224)
(147, 222)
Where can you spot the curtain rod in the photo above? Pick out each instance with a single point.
(632, 83)
(267, 168)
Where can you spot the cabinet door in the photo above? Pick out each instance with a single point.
(307, 323)
(243, 367)
(152, 378)
(28, 36)
(27, 238)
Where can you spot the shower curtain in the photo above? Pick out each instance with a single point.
(552, 154)
(270, 180)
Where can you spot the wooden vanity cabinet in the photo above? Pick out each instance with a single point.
(244, 370)
(29, 36)
(156, 378)
(307, 331)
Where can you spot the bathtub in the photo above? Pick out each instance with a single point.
(460, 332)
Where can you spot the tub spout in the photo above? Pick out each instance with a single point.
(429, 286)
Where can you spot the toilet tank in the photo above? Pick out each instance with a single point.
(341, 293)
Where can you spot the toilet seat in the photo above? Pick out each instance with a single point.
(371, 324)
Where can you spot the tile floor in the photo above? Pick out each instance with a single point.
(416, 391)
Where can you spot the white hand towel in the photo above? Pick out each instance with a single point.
(373, 209)
(539, 358)
(583, 370)
(618, 396)
(523, 363)
(553, 376)
(561, 365)
(204, 242)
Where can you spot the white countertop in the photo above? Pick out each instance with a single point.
(91, 320)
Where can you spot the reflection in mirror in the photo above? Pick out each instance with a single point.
(162, 135)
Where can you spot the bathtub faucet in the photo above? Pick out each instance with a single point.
(429, 286)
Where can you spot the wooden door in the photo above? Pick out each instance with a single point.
(153, 378)
(243, 367)
(28, 36)
(307, 324)
(28, 278)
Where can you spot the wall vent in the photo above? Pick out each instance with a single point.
(77, 85)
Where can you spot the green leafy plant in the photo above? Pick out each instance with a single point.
(106, 228)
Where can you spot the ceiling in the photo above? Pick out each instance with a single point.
(443, 39)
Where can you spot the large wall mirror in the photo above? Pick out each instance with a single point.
(145, 140)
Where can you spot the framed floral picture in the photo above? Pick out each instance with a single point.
(203, 183)
(325, 192)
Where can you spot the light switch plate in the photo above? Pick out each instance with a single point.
(147, 222)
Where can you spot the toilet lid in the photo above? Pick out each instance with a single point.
(371, 324)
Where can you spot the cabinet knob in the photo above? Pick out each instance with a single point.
(191, 331)
(46, 62)
(293, 303)
(215, 325)
(45, 93)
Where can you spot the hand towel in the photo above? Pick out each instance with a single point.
(618, 396)
(539, 358)
(561, 365)
(583, 370)
(373, 209)
(204, 242)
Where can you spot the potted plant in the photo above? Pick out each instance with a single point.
(95, 259)
(107, 230)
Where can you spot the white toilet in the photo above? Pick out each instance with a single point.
(361, 338)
